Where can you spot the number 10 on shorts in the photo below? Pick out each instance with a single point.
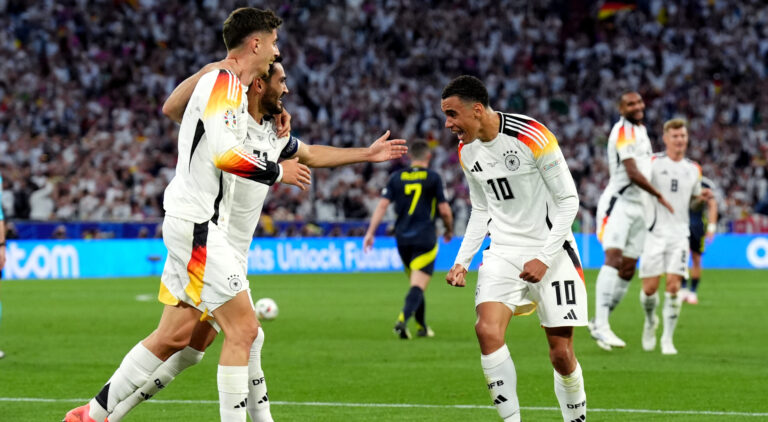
(569, 292)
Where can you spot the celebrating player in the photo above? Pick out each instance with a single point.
(621, 221)
(416, 191)
(523, 194)
(202, 276)
(264, 101)
(666, 244)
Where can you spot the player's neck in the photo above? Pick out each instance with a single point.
(241, 67)
(489, 126)
(417, 163)
(675, 157)
(255, 111)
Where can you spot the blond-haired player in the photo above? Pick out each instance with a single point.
(666, 243)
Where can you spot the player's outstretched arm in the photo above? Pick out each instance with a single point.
(326, 156)
(378, 215)
(176, 103)
(456, 276)
(447, 216)
(711, 218)
(638, 179)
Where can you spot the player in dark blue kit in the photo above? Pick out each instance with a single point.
(417, 194)
(703, 227)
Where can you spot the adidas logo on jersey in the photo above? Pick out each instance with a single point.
(476, 167)
(570, 315)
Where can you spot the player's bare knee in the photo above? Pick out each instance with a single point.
(627, 272)
(243, 334)
(613, 258)
(490, 336)
(562, 358)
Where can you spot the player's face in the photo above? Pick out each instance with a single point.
(461, 118)
(275, 90)
(266, 51)
(632, 107)
(676, 141)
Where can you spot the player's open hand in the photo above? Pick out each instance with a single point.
(383, 150)
(295, 173)
(533, 271)
(455, 277)
(367, 243)
(283, 124)
(666, 204)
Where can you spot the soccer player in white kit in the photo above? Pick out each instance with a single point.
(621, 223)
(523, 194)
(264, 102)
(666, 244)
(202, 275)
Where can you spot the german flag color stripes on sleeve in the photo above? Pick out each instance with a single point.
(226, 94)
(240, 163)
(533, 134)
(626, 137)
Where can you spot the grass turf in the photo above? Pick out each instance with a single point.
(332, 343)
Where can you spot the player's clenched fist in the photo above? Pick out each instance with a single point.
(456, 276)
(295, 173)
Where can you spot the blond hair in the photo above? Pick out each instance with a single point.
(674, 124)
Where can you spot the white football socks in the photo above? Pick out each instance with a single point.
(502, 383)
(606, 279)
(620, 287)
(569, 390)
(233, 393)
(258, 400)
(162, 376)
(649, 303)
(133, 372)
(671, 313)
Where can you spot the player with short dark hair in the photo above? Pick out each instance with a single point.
(703, 215)
(621, 223)
(202, 277)
(416, 192)
(264, 103)
(523, 194)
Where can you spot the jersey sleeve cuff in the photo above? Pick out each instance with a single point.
(279, 173)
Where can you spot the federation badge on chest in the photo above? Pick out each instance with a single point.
(511, 160)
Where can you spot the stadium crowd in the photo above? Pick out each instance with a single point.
(82, 84)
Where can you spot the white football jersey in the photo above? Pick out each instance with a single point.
(626, 141)
(248, 197)
(521, 190)
(678, 182)
(211, 153)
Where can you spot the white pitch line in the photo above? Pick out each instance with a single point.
(412, 405)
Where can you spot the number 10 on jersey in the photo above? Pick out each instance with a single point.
(503, 188)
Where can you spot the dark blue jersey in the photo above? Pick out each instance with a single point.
(415, 192)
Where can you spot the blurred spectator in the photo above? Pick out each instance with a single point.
(81, 91)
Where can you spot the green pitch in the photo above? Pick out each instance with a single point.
(331, 354)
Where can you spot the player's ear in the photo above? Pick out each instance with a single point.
(477, 110)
